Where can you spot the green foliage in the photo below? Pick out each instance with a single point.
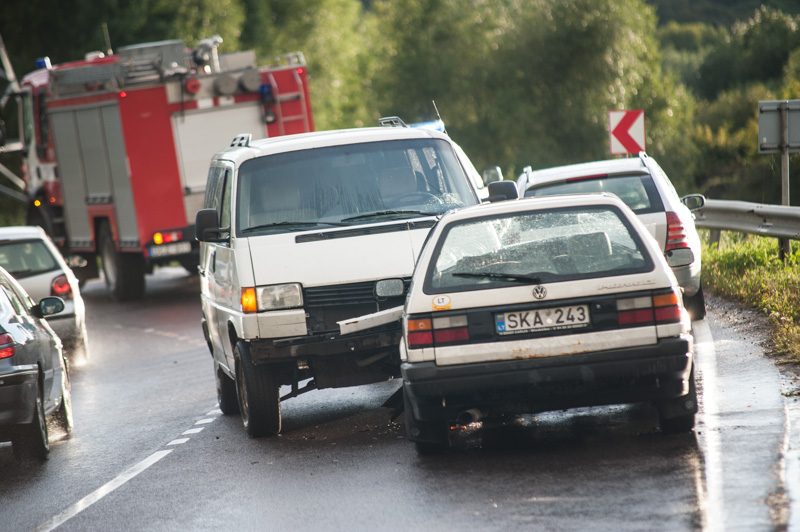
(748, 269)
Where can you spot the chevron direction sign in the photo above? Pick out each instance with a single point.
(626, 130)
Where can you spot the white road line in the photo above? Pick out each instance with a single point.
(204, 421)
(192, 431)
(178, 441)
(102, 491)
(214, 412)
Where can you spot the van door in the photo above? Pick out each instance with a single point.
(208, 252)
(223, 279)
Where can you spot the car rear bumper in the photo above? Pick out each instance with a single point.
(637, 374)
(17, 394)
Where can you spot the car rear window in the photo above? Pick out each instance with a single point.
(534, 247)
(637, 190)
(25, 258)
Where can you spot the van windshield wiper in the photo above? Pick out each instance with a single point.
(379, 214)
(290, 223)
(514, 277)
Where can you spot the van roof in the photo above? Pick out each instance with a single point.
(322, 139)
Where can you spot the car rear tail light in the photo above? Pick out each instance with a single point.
(676, 233)
(427, 332)
(7, 348)
(649, 310)
(60, 287)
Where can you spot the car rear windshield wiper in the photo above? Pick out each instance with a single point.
(517, 278)
(379, 214)
(289, 223)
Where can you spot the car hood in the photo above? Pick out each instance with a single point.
(337, 256)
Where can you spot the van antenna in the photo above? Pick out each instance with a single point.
(107, 37)
(439, 117)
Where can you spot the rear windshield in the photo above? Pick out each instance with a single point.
(350, 184)
(25, 258)
(536, 247)
(636, 190)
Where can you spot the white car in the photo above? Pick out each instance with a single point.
(645, 188)
(535, 305)
(29, 255)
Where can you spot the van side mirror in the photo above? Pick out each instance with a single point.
(502, 191)
(206, 226)
(694, 201)
(492, 175)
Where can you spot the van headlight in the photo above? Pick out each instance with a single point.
(279, 296)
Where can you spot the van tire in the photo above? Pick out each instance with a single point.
(258, 394)
(123, 272)
(226, 393)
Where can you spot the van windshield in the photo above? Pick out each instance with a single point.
(350, 184)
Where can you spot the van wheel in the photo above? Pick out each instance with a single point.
(226, 393)
(123, 272)
(258, 393)
(696, 305)
(32, 441)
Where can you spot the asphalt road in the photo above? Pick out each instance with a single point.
(151, 451)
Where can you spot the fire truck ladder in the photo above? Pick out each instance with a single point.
(287, 97)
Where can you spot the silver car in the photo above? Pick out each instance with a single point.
(29, 255)
(644, 187)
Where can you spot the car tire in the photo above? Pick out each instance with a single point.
(226, 393)
(696, 304)
(32, 440)
(683, 422)
(429, 437)
(78, 349)
(123, 272)
(63, 416)
(258, 395)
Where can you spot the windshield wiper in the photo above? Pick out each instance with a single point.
(515, 277)
(289, 223)
(379, 214)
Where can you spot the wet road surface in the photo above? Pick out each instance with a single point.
(151, 451)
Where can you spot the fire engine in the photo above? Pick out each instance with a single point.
(116, 147)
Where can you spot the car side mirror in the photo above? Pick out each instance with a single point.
(694, 201)
(492, 175)
(502, 191)
(48, 306)
(206, 226)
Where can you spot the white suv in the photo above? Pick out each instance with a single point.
(294, 234)
(645, 188)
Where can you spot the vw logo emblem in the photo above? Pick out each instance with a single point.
(539, 292)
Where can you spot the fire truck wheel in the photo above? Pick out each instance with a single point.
(123, 272)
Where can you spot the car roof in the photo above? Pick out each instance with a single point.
(322, 139)
(595, 168)
(21, 232)
(536, 203)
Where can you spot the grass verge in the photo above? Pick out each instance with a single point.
(747, 268)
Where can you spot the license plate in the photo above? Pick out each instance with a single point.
(545, 319)
(176, 248)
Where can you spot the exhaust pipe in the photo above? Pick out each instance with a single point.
(467, 417)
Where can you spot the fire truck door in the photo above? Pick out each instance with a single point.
(93, 166)
(202, 133)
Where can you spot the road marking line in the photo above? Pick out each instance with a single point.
(214, 412)
(204, 421)
(102, 491)
(192, 431)
(178, 441)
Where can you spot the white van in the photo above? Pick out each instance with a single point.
(294, 233)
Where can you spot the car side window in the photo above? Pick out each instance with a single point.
(16, 304)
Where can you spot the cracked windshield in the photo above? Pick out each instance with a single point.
(537, 247)
(351, 184)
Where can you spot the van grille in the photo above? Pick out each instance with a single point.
(325, 305)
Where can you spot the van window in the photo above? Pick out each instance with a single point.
(350, 184)
(210, 200)
(225, 212)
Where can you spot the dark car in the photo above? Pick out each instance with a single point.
(34, 382)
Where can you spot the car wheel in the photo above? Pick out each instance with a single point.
(259, 400)
(676, 416)
(123, 272)
(79, 348)
(32, 440)
(226, 393)
(696, 305)
(63, 415)
(429, 437)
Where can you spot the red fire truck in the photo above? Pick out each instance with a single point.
(116, 147)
